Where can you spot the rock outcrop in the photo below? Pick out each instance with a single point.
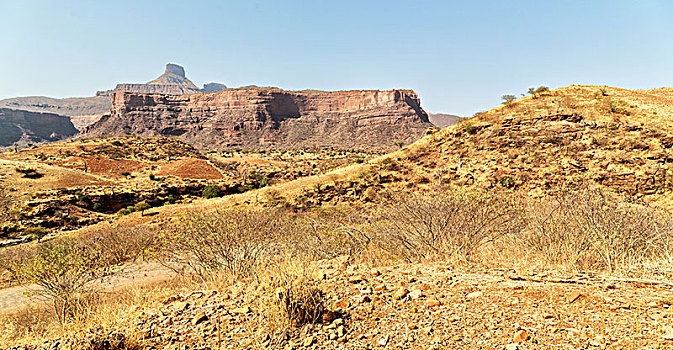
(255, 117)
(20, 128)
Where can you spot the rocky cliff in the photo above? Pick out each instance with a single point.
(255, 117)
(23, 127)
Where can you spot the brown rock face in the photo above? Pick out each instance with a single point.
(23, 127)
(269, 117)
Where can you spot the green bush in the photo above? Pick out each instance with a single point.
(97, 206)
(212, 191)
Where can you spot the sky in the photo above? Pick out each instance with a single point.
(459, 56)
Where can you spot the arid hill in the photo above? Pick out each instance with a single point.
(254, 117)
(20, 128)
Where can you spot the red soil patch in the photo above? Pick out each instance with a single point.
(102, 165)
(190, 169)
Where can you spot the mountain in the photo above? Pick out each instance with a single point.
(173, 81)
(442, 120)
(20, 128)
(254, 117)
(81, 110)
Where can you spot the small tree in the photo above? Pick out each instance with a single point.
(508, 99)
(536, 91)
(399, 144)
(141, 207)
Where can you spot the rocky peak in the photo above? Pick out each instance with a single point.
(175, 69)
(172, 82)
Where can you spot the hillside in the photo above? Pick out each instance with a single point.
(253, 117)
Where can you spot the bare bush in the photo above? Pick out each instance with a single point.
(592, 229)
(120, 244)
(442, 224)
(234, 240)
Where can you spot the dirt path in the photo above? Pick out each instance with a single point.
(13, 298)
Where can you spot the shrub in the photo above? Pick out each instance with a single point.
(141, 207)
(211, 191)
(442, 224)
(36, 232)
(97, 206)
(231, 240)
(591, 229)
(29, 173)
(152, 177)
(292, 297)
(125, 173)
(62, 269)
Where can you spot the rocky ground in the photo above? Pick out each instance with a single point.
(417, 306)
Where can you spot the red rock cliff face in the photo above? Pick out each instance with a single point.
(270, 117)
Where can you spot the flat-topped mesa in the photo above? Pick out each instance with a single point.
(255, 117)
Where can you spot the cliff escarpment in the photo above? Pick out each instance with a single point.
(20, 128)
(255, 117)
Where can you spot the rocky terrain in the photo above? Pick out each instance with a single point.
(408, 306)
(20, 128)
(254, 117)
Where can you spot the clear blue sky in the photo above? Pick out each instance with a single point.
(460, 56)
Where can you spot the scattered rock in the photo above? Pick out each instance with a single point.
(668, 333)
(520, 336)
(573, 296)
(416, 294)
(241, 310)
(401, 293)
(201, 317)
(473, 295)
(309, 341)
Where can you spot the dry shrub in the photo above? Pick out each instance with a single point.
(589, 228)
(292, 296)
(120, 244)
(443, 224)
(234, 240)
